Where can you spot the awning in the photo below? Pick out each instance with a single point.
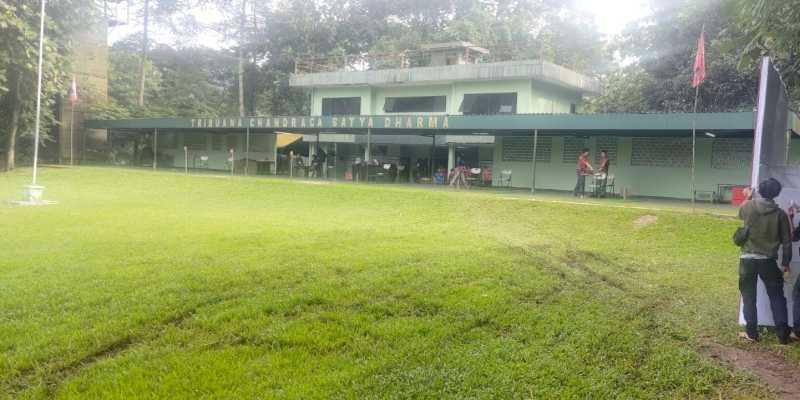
(638, 125)
(284, 139)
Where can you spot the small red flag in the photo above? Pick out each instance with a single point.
(73, 92)
(700, 61)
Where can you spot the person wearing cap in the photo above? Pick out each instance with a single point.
(769, 230)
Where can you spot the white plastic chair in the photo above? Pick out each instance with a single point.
(505, 178)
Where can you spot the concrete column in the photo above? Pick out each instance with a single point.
(451, 156)
(312, 150)
(274, 166)
(327, 148)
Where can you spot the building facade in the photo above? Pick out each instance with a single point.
(420, 121)
(642, 165)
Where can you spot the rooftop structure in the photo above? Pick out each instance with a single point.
(541, 71)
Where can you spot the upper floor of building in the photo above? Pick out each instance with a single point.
(450, 81)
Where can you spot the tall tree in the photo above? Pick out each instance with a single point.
(145, 43)
(19, 33)
(662, 49)
(771, 28)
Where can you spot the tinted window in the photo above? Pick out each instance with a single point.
(489, 103)
(341, 106)
(415, 104)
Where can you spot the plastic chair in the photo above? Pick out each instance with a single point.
(505, 178)
(610, 186)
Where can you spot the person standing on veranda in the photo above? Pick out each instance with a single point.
(602, 170)
(582, 169)
(769, 230)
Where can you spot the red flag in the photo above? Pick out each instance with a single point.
(73, 92)
(700, 61)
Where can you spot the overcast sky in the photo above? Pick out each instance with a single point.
(611, 17)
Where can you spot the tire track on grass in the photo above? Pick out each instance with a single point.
(52, 379)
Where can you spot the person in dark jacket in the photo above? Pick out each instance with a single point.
(769, 230)
(796, 300)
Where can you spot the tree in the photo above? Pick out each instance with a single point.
(663, 48)
(145, 43)
(771, 28)
(19, 33)
(624, 91)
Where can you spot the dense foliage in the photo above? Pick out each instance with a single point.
(652, 72)
(19, 41)
(662, 49)
(270, 39)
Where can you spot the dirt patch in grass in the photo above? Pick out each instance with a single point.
(644, 220)
(773, 371)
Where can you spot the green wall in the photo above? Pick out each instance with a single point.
(658, 181)
(532, 96)
(550, 99)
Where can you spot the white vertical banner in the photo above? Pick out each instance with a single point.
(770, 146)
(758, 135)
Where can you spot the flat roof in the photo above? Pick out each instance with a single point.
(672, 124)
(508, 70)
(452, 46)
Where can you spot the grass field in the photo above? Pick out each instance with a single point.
(160, 285)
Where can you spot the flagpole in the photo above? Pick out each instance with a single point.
(38, 99)
(700, 63)
(32, 194)
(71, 136)
(694, 139)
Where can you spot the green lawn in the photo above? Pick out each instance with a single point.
(160, 285)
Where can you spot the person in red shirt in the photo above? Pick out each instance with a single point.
(604, 162)
(582, 169)
(602, 169)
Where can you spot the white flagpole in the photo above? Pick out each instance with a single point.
(71, 136)
(694, 138)
(694, 116)
(38, 100)
(533, 160)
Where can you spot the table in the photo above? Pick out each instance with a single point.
(598, 188)
(719, 195)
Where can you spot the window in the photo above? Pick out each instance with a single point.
(341, 106)
(661, 152)
(607, 143)
(520, 149)
(572, 148)
(489, 103)
(415, 104)
(731, 153)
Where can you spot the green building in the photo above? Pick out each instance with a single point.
(452, 83)
(443, 107)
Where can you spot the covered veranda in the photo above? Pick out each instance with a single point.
(551, 137)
